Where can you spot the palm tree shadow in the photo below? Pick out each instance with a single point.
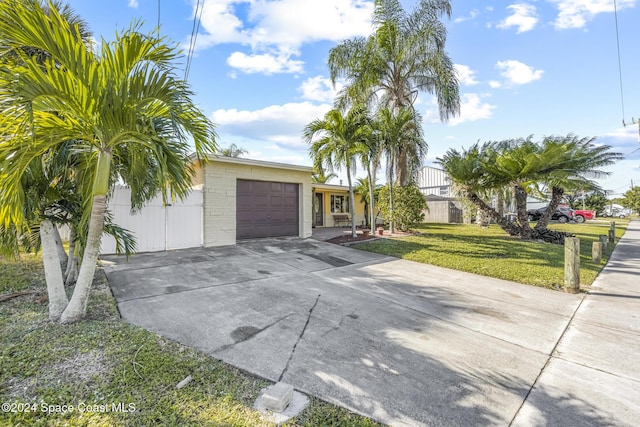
(411, 366)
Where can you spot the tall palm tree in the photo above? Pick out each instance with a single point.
(400, 136)
(128, 115)
(335, 141)
(405, 55)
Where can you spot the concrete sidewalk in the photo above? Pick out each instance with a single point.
(593, 375)
(401, 342)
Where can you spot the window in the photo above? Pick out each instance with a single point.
(339, 204)
(444, 190)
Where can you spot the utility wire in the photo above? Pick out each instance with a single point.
(615, 9)
(194, 35)
(158, 15)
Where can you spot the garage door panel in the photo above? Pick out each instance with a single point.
(290, 188)
(275, 201)
(266, 209)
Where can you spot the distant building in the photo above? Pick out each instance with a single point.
(442, 206)
(434, 181)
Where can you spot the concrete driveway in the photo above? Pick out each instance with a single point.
(401, 342)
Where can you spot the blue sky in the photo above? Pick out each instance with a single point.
(529, 67)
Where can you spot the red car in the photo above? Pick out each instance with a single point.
(581, 215)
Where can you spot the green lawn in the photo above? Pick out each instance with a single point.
(105, 361)
(491, 252)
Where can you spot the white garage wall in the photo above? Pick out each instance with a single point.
(157, 227)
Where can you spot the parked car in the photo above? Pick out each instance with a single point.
(562, 214)
(616, 213)
(583, 214)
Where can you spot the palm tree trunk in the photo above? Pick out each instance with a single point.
(521, 211)
(352, 204)
(71, 273)
(507, 226)
(372, 212)
(556, 196)
(391, 221)
(52, 272)
(77, 307)
(62, 254)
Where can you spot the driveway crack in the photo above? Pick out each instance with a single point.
(293, 350)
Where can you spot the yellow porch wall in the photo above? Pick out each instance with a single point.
(328, 216)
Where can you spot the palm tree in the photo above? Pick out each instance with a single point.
(557, 163)
(405, 55)
(233, 151)
(400, 136)
(127, 114)
(319, 176)
(363, 189)
(335, 141)
(572, 163)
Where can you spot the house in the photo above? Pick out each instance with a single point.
(233, 199)
(331, 206)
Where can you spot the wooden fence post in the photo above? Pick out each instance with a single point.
(572, 265)
(612, 236)
(603, 240)
(596, 252)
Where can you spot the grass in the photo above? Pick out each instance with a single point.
(104, 361)
(491, 252)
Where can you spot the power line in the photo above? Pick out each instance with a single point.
(615, 10)
(194, 35)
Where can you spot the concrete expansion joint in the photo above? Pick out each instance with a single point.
(552, 355)
(584, 365)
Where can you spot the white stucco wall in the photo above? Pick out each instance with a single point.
(219, 194)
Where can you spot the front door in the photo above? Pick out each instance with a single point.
(318, 207)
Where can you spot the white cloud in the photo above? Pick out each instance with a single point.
(282, 26)
(518, 73)
(576, 13)
(133, 4)
(471, 109)
(265, 63)
(319, 89)
(524, 18)
(472, 15)
(466, 75)
(281, 125)
(495, 84)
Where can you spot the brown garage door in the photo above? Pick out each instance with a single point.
(266, 209)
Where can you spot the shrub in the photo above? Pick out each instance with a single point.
(408, 206)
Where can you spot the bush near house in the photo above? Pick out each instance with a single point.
(408, 206)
